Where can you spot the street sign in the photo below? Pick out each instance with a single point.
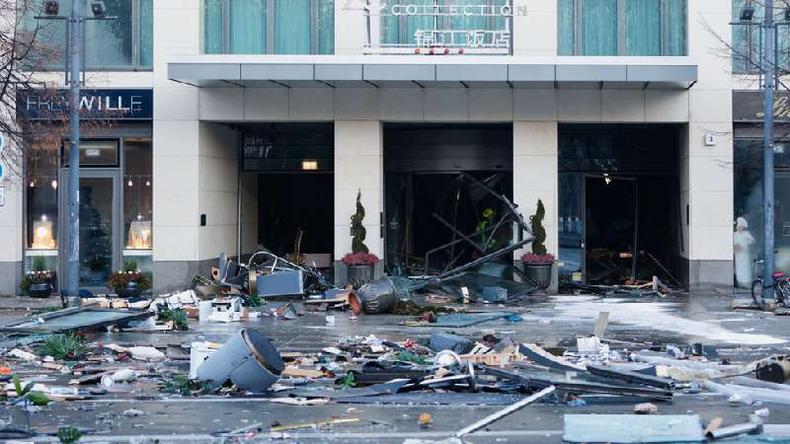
(2, 142)
(2, 170)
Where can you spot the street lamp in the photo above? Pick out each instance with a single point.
(747, 13)
(74, 23)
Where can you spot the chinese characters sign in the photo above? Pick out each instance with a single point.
(441, 27)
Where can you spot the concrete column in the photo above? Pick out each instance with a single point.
(535, 34)
(535, 151)
(176, 217)
(217, 191)
(359, 166)
(706, 170)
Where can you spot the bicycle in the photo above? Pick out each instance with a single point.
(781, 285)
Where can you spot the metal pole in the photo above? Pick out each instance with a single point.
(769, 72)
(75, 50)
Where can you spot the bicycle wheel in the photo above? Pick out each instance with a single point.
(757, 292)
(783, 294)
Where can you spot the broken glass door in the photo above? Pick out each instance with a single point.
(99, 231)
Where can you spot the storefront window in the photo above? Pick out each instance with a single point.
(268, 26)
(747, 39)
(120, 44)
(138, 195)
(42, 198)
(622, 27)
(748, 240)
(93, 153)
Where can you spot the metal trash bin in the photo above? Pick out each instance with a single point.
(248, 360)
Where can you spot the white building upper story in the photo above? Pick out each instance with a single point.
(640, 91)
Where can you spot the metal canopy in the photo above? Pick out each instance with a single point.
(281, 71)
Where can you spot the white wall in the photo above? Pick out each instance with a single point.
(536, 33)
(707, 172)
(217, 190)
(175, 135)
(535, 151)
(359, 167)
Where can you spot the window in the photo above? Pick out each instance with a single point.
(747, 39)
(138, 195)
(444, 27)
(748, 195)
(42, 197)
(121, 44)
(269, 26)
(622, 27)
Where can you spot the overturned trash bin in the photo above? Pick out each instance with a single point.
(378, 297)
(248, 360)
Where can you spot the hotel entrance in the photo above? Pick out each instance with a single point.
(619, 214)
(427, 191)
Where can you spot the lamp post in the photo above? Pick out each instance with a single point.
(74, 48)
(768, 71)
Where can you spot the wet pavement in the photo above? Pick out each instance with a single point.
(551, 321)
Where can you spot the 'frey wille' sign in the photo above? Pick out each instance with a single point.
(115, 104)
(748, 106)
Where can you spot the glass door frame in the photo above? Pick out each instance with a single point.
(63, 212)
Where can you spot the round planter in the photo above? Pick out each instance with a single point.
(248, 360)
(41, 290)
(360, 274)
(132, 290)
(378, 297)
(540, 274)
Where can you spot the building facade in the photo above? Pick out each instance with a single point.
(257, 123)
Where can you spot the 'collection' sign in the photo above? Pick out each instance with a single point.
(95, 104)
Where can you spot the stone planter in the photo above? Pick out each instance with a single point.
(540, 274)
(40, 290)
(132, 290)
(360, 274)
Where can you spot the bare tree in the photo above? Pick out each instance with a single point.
(32, 57)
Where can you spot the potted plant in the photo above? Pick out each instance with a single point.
(360, 262)
(38, 282)
(538, 264)
(129, 282)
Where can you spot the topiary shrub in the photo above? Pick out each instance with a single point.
(538, 232)
(358, 232)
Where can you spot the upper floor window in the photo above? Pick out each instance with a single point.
(748, 38)
(622, 27)
(476, 26)
(122, 44)
(269, 26)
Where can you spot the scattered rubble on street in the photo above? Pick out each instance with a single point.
(422, 344)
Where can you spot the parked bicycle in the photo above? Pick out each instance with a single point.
(780, 285)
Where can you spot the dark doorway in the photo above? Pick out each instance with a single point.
(619, 217)
(294, 165)
(295, 213)
(610, 228)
